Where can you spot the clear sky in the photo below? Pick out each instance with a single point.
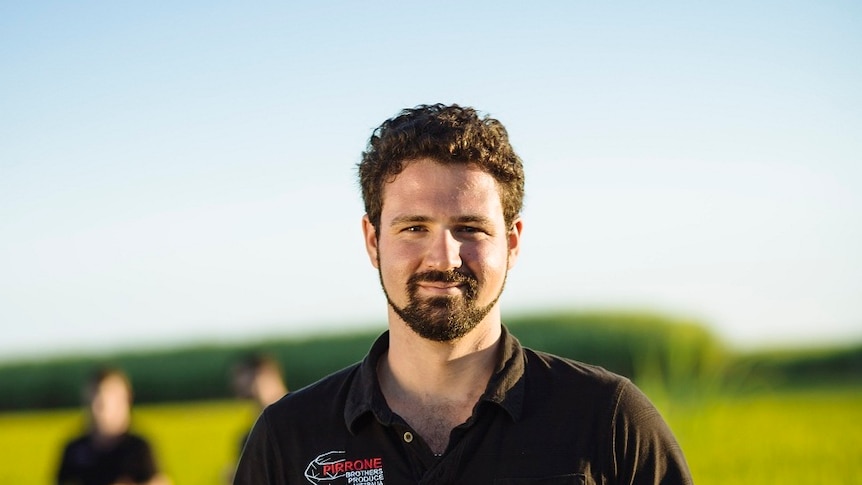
(184, 172)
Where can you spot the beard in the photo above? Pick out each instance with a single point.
(442, 318)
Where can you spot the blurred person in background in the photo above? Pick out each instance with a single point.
(258, 378)
(108, 454)
(447, 394)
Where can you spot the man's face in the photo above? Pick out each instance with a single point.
(443, 249)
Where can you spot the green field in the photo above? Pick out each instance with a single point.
(812, 436)
(779, 416)
(792, 437)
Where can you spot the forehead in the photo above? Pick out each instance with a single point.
(426, 184)
(112, 384)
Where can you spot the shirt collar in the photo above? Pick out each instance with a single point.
(505, 388)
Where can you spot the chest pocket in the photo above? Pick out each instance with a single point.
(574, 479)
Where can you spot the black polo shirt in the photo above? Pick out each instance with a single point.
(542, 420)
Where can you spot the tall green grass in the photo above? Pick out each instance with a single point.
(810, 436)
(763, 438)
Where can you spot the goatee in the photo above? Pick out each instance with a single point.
(442, 318)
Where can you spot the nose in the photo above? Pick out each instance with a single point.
(444, 252)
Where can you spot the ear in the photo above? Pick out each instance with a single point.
(370, 235)
(514, 239)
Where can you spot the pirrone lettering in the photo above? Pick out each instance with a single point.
(332, 469)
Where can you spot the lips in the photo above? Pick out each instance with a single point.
(443, 283)
(441, 288)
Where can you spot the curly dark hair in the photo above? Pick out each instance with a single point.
(446, 134)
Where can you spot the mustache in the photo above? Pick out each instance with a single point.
(434, 276)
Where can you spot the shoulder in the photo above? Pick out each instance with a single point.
(591, 382)
(76, 446)
(554, 385)
(556, 370)
(136, 441)
(78, 441)
(638, 440)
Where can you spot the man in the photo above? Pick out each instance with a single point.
(257, 377)
(108, 453)
(447, 395)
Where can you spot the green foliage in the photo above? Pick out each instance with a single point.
(799, 368)
(650, 349)
(188, 374)
(672, 359)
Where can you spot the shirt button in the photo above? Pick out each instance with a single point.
(408, 437)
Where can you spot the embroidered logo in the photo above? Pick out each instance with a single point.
(333, 468)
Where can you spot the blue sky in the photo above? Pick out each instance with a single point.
(185, 173)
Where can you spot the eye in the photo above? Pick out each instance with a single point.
(472, 231)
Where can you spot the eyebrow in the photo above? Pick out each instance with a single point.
(481, 220)
(411, 219)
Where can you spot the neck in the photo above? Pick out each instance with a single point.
(422, 370)
(434, 386)
(104, 441)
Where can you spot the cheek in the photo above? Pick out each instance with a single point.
(393, 268)
(488, 259)
(398, 255)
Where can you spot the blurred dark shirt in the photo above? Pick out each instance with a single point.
(130, 458)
